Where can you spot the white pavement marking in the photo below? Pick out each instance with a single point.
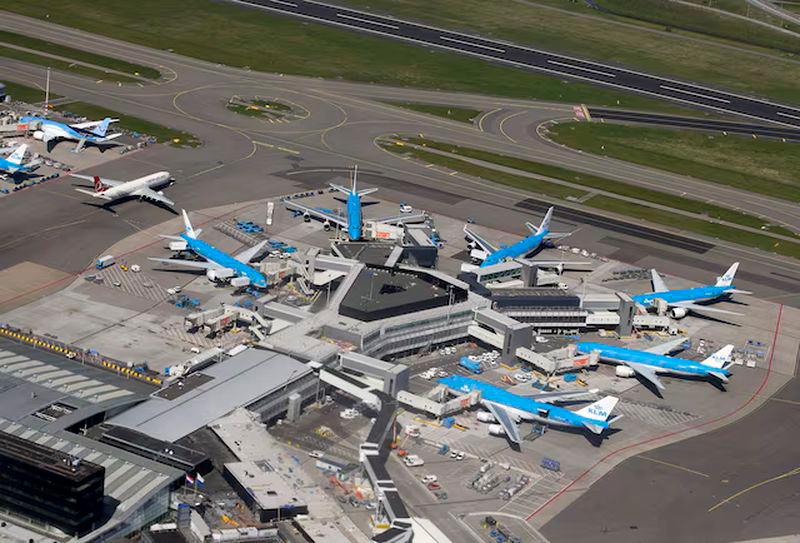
(290, 4)
(462, 42)
(376, 23)
(707, 97)
(591, 70)
(787, 115)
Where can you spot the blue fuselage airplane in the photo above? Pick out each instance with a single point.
(494, 255)
(95, 132)
(681, 301)
(650, 364)
(13, 164)
(507, 408)
(218, 264)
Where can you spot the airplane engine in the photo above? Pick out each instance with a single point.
(624, 371)
(677, 312)
(38, 135)
(483, 416)
(161, 193)
(496, 430)
(326, 225)
(306, 217)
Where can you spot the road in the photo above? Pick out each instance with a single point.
(535, 59)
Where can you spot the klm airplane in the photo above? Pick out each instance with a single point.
(490, 255)
(50, 132)
(680, 302)
(219, 266)
(653, 362)
(508, 409)
(353, 220)
(13, 164)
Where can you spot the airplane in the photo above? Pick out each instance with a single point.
(50, 131)
(219, 266)
(13, 164)
(490, 255)
(508, 408)
(111, 190)
(681, 301)
(650, 363)
(352, 221)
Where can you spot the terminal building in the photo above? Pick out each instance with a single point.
(50, 486)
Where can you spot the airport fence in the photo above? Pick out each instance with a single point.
(79, 355)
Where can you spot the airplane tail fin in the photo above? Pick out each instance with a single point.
(188, 225)
(18, 155)
(98, 185)
(599, 410)
(727, 279)
(545, 226)
(719, 358)
(102, 128)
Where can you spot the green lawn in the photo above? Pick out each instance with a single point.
(237, 36)
(160, 132)
(78, 54)
(33, 58)
(462, 114)
(258, 108)
(517, 181)
(23, 93)
(609, 185)
(672, 15)
(764, 166)
(597, 37)
(727, 233)
(621, 207)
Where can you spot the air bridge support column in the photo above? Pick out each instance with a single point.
(530, 273)
(627, 309)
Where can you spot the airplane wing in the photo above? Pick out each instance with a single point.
(547, 397)
(647, 372)
(402, 219)
(316, 213)
(703, 308)
(667, 347)
(150, 194)
(482, 243)
(202, 265)
(505, 420)
(90, 124)
(557, 235)
(658, 283)
(247, 255)
(105, 181)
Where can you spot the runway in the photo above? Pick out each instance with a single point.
(543, 61)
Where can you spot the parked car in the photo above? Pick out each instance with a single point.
(429, 479)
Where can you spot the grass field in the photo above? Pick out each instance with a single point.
(78, 54)
(696, 19)
(23, 93)
(614, 205)
(610, 185)
(33, 58)
(462, 114)
(603, 39)
(763, 166)
(236, 36)
(160, 132)
(744, 8)
(733, 235)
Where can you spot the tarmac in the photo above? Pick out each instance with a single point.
(52, 230)
(343, 122)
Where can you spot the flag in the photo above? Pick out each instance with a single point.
(189, 479)
(200, 479)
